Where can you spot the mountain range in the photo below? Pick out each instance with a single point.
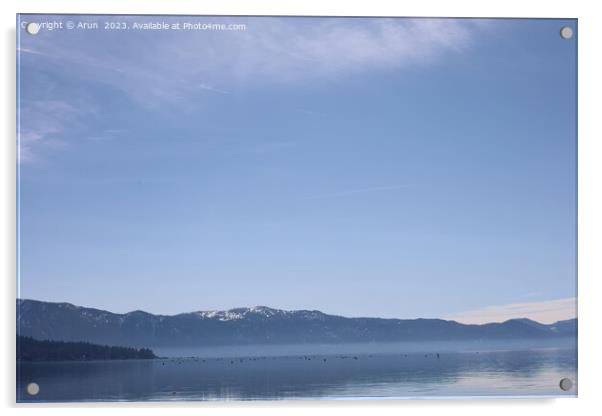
(256, 325)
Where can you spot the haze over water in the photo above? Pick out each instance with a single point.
(269, 374)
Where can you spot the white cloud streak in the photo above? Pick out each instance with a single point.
(168, 65)
(546, 312)
(44, 121)
(181, 71)
(351, 192)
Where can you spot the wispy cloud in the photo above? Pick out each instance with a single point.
(546, 312)
(107, 134)
(350, 192)
(43, 123)
(163, 71)
(269, 51)
(212, 89)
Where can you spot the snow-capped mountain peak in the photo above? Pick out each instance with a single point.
(240, 313)
(258, 325)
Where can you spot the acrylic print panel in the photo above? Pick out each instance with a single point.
(233, 208)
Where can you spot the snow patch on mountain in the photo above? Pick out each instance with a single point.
(220, 315)
(239, 313)
(255, 312)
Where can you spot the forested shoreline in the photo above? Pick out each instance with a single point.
(30, 349)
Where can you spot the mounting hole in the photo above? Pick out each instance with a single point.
(566, 384)
(32, 389)
(32, 28)
(566, 32)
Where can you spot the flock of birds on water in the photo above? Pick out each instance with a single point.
(233, 361)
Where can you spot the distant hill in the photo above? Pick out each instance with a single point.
(564, 327)
(256, 325)
(29, 349)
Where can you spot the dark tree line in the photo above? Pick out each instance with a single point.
(29, 349)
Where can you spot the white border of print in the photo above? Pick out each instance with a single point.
(590, 201)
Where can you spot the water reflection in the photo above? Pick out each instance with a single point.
(534, 372)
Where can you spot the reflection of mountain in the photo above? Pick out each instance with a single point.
(257, 325)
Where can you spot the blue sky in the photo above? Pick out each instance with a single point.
(363, 167)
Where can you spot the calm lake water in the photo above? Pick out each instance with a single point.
(316, 372)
